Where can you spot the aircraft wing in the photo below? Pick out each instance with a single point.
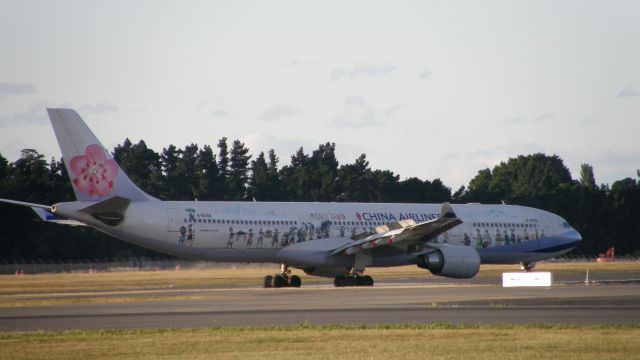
(405, 230)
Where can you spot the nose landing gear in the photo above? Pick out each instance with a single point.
(527, 266)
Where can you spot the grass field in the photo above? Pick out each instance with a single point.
(425, 341)
(434, 341)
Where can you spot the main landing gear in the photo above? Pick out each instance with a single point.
(354, 278)
(283, 279)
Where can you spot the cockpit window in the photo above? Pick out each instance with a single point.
(566, 225)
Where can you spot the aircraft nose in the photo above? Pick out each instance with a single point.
(578, 236)
(573, 236)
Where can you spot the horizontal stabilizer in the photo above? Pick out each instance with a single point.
(110, 211)
(22, 203)
(49, 217)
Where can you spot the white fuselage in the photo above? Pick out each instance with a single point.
(255, 231)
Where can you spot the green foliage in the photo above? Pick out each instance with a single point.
(238, 171)
(604, 216)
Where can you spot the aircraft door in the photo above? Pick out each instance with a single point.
(173, 218)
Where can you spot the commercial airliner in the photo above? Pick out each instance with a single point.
(338, 240)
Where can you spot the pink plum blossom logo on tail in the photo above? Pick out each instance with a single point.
(94, 171)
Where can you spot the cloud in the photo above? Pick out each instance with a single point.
(425, 73)
(531, 120)
(201, 105)
(450, 156)
(284, 147)
(7, 88)
(36, 114)
(494, 155)
(588, 121)
(356, 113)
(391, 112)
(299, 63)
(362, 70)
(610, 163)
(279, 112)
(543, 117)
(11, 151)
(219, 113)
(98, 109)
(629, 91)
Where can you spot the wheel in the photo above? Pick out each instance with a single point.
(339, 281)
(295, 281)
(527, 266)
(351, 280)
(366, 280)
(279, 281)
(268, 281)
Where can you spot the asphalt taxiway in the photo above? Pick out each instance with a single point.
(475, 302)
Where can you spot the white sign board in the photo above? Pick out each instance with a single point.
(516, 279)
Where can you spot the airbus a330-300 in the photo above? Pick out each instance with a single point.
(338, 240)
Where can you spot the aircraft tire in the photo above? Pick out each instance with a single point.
(339, 281)
(366, 280)
(295, 281)
(268, 282)
(279, 281)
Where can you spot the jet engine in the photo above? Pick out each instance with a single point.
(326, 271)
(460, 262)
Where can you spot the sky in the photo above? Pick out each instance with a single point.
(431, 89)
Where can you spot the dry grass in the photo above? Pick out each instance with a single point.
(332, 342)
(220, 277)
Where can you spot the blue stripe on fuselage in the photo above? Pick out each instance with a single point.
(534, 249)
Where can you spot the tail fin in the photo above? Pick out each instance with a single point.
(95, 176)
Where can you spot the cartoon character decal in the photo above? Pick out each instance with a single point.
(231, 237)
(467, 240)
(187, 233)
(478, 239)
(94, 171)
(260, 238)
(183, 235)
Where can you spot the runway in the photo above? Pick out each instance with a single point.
(323, 304)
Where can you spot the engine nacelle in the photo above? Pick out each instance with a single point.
(460, 262)
(326, 271)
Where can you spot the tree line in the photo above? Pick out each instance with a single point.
(605, 215)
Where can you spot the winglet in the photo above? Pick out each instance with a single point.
(447, 212)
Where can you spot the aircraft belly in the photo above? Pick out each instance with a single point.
(532, 250)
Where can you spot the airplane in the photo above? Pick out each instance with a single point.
(335, 240)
